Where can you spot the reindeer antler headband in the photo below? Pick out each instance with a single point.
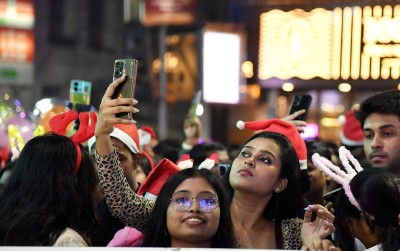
(59, 123)
(337, 174)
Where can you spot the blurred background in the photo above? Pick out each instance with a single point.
(248, 57)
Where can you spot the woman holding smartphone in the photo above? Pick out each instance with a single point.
(136, 213)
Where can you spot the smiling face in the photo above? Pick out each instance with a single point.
(382, 140)
(192, 228)
(257, 167)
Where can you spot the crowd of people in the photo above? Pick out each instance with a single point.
(114, 184)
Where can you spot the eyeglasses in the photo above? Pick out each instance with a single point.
(182, 201)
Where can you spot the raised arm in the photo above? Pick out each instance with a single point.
(123, 203)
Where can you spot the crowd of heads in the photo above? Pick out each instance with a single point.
(53, 184)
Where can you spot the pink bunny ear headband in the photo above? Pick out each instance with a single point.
(339, 175)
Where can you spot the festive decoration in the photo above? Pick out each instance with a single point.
(282, 127)
(59, 123)
(337, 174)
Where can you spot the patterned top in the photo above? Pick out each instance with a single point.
(135, 211)
(291, 233)
(132, 209)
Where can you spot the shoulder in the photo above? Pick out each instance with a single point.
(70, 238)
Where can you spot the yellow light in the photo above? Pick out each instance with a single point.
(336, 42)
(6, 96)
(288, 87)
(346, 47)
(330, 122)
(356, 43)
(247, 69)
(344, 87)
(398, 86)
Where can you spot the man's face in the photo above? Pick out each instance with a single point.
(382, 141)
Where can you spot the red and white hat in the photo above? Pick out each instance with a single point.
(185, 161)
(157, 177)
(128, 134)
(210, 162)
(146, 133)
(284, 128)
(352, 133)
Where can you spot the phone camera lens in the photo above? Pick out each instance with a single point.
(76, 89)
(76, 83)
(118, 65)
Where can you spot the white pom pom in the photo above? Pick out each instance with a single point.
(240, 125)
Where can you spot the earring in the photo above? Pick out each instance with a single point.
(368, 230)
(165, 232)
(277, 190)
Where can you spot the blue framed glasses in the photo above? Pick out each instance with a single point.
(182, 201)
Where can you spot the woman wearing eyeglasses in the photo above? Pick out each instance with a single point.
(191, 209)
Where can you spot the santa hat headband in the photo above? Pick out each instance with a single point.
(351, 133)
(157, 177)
(284, 128)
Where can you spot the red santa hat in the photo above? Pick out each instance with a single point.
(352, 133)
(127, 133)
(284, 128)
(157, 177)
(185, 161)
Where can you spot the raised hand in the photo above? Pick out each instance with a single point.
(318, 229)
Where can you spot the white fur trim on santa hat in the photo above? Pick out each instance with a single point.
(349, 142)
(303, 164)
(183, 164)
(144, 137)
(150, 196)
(125, 138)
(240, 125)
(207, 164)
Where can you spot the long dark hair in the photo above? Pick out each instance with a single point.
(157, 235)
(286, 204)
(378, 193)
(43, 196)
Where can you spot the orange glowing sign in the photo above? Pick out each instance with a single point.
(16, 45)
(344, 43)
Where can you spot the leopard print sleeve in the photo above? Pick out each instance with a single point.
(132, 209)
(291, 233)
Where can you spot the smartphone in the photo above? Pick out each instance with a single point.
(300, 102)
(79, 92)
(332, 195)
(125, 89)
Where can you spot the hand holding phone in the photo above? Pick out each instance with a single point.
(300, 102)
(125, 89)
